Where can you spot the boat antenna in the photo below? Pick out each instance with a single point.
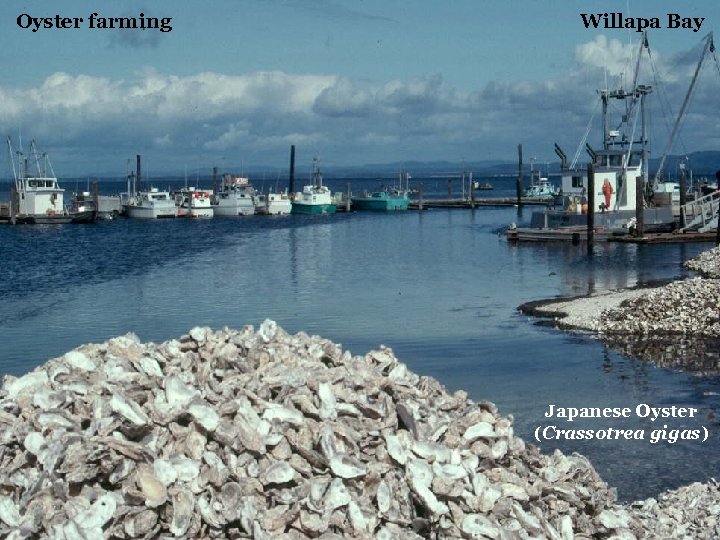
(708, 47)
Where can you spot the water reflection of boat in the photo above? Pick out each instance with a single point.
(315, 198)
(38, 197)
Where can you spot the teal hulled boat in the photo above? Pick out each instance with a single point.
(382, 201)
(314, 199)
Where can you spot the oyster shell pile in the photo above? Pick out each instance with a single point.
(686, 307)
(706, 263)
(245, 434)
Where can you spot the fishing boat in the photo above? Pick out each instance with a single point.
(541, 187)
(152, 204)
(620, 173)
(192, 202)
(235, 198)
(272, 204)
(386, 199)
(487, 186)
(314, 198)
(37, 195)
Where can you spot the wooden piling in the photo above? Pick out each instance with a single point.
(520, 175)
(214, 180)
(420, 196)
(13, 204)
(291, 181)
(138, 176)
(449, 188)
(472, 193)
(683, 197)
(639, 207)
(591, 208)
(96, 200)
(347, 196)
(717, 222)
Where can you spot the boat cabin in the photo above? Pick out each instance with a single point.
(608, 165)
(40, 196)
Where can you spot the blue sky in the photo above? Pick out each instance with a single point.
(354, 82)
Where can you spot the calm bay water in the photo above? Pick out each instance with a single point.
(440, 287)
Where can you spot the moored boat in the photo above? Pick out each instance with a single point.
(384, 200)
(235, 197)
(192, 202)
(314, 198)
(153, 204)
(272, 204)
(38, 197)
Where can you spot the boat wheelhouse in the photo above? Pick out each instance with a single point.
(314, 198)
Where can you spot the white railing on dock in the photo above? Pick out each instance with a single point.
(701, 214)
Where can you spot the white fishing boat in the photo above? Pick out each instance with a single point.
(620, 172)
(37, 195)
(314, 198)
(153, 204)
(192, 202)
(235, 198)
(272, 204)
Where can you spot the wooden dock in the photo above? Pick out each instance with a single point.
(477, 202)
(665, 238)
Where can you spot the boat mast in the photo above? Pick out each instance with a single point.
(709, 46)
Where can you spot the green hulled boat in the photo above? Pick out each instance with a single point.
(314, 199)
(382, 201)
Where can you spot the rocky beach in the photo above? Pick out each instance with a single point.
(676, 325)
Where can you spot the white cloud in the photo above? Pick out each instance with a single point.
(211, 115)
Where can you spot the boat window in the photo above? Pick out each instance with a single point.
(33, 183)
(615, 160)
(635, 160)
(577, 181)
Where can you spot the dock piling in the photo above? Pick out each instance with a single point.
(291, 181)
(96, 200)
(591, 208)
(420, 196)
(347, 197)
(639, 207)
(520, 175)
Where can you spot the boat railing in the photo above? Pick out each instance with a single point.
(701, 214)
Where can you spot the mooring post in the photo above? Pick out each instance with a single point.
(639, 207)
(683, 198)
(472, 193)
(13, 204)
(449, 188)
(347, 197)
(96, 200)
(717, 214)
(214, 180)
(138, 176)
(520, 175)
(591, 208)
(291, 181)
(420, 196)
(267, 201)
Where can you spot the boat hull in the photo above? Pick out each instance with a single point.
(232, 210)
(139, 212)
(379, 205)
(304, 208)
